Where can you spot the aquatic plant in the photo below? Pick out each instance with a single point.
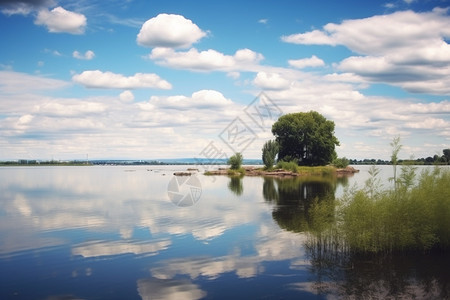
(413, 216)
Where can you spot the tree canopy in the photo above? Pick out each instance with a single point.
(307, 137)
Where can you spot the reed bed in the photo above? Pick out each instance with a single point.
(412, 216)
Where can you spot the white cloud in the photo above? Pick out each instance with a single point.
(442, 107)
(405, 48)
(126, 96)
(429, 123)
(315, 37)
(263, 21)
(313, 61)
(12, 82)
(380, 34)
(208, 60)
(61, 20)
(203, 99)
(109, 80)
(117, 126)
(271, 81)
(69, 108)
(167, 30)
(88, 55)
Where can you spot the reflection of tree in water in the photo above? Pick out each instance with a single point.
(294, 197)
(235, 185)
(308, 205)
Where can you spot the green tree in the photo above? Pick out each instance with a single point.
(447, 154)
(307, 138)
(235, 161)
(269, 152)
(341, 162)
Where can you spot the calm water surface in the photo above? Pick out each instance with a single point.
(114, 232)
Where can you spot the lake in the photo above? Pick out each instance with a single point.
(138, 232)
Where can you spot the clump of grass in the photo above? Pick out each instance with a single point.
(237, 172)
(288, 166)
(305, 170)
(318, 170)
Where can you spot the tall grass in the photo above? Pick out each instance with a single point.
(413, 216)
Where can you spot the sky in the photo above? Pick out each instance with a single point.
(204, 79)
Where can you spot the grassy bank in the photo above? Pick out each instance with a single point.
(412, 216)
(304, 170)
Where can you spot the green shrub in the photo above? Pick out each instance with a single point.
(235, 161)
(288, 166)
(341, 162)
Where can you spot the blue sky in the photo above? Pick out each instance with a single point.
(173, 79)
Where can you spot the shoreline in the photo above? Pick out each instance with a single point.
(279, 173)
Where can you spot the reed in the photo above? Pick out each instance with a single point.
(412, 216)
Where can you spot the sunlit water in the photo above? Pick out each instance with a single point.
(110, 232)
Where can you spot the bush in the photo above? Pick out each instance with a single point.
(288, 166)
(235, 161)
(341, 162)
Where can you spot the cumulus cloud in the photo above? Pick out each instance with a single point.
(271, 81)
(203, 99)
(380, 34)
(109, 80)
(168, 30)
(208, 60)
(405, 48)
(315, 37)
(313, 61)
(88, 55)
(61, 20)
(429, 123)
(126, 96)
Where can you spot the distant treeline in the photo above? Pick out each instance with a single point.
(32, 162)
(183, 161)
(430, 160)
(25, 162)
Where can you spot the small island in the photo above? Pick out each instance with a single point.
(280, 173)
(304, 145)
